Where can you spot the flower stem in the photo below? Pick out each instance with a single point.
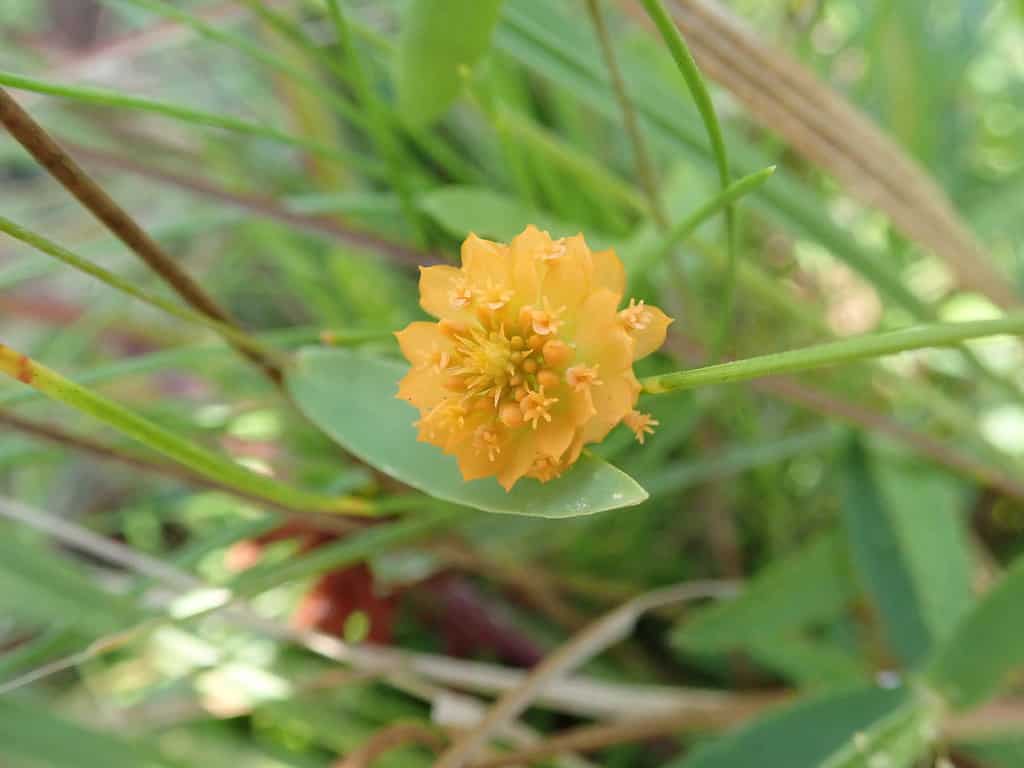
(698, 90)
(835, 353)
(209, 465)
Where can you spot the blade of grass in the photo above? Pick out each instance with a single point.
(106, 98)
(835, 353)
(34, 138)
(687, 226)
(698, 90)
(51, 384)
(233, 334)
(641, 156)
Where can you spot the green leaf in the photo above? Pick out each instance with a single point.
(909, 548)
(801, 736)
(809, 662)
(352, 398)
(32, 732)
(895, 741)
(461, 209)
(985, 647)
(440, 40)
(811, 586)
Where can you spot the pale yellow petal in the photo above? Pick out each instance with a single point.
(553, 437)
(485, 263)
(566, 279)
(438, 287)
(650, 338)
(522, 452)
(419, 342)
(612, 401)
(422, 387)
(600, 338)
(609, 272)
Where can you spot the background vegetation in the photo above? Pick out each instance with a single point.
(193, 573)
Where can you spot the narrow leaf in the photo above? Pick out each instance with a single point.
(801, 736)
(985, 648)
(811, 586)
(441, 40)
(910, 552)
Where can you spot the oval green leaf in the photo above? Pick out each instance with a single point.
(351, 397)
(440, 40)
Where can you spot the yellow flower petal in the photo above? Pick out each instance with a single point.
(531, 359)
(609, 272)
(423, 387)
(566, 279)
(440, 288)
(419, 342)
(485, 263)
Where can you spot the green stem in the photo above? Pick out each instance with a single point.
(687, 226)
(106, 98)
(641, 157)
(377, 123)
(698, 90)
(82, 264)
(209, 465)
(835, 353)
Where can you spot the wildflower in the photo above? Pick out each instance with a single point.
(530, 359)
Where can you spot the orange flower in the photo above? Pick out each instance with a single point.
(531, 358)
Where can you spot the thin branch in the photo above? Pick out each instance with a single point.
(641, 156)
(588, 643)
(590, 738)
(264, 207)
(34, 138)
(393, 737)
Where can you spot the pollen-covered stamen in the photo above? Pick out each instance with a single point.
(579, 377)
(636, 317)
(486, 439)
(461, 295)
(438, 360)
(494, 296)
(546, 468)
(443, 419)
(642, 424)
(555, 252)
(543, 322)
(536, 406)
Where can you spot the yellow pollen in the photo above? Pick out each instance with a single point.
(642, 424)
(555, 252)
(486, 439)
(461, 295)
(579, 377)
(636, 317)
(537, 406)
(494, 297)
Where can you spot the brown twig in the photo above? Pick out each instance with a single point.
(833, 134)
(34, 138)
(590, 738)
(392, 737)
(159, 468)
(591, 641)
